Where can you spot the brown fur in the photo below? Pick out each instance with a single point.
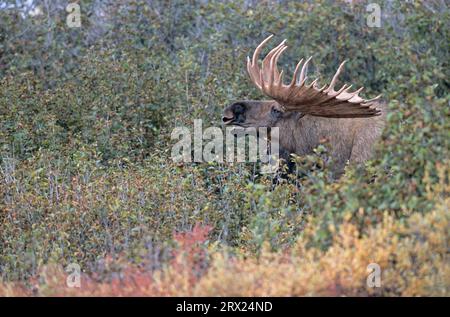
(350, 140)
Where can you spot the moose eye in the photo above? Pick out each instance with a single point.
(276, 112)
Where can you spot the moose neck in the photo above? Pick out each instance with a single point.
(299, 134)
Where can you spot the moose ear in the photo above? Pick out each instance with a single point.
(276, 111)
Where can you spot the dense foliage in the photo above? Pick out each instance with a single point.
(86, 175)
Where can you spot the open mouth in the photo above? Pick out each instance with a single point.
(227, 120)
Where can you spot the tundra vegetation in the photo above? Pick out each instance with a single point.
(86, 175)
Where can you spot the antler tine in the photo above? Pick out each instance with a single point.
(355, 94)
(345, 95)
(274, 62)
(280, 79)
(373, 99)
(313, 84)
(256, 81)
(252, 64)
(347, 89)
(267, 73)
(304, 71)
(267, 63)
(294, 77)
(358, 91)
(258, 50)
(273, 52)
(335, 77)
(323, 87)
(337, 93)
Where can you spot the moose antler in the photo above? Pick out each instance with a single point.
(307, 98)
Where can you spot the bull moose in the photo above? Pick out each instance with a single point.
(306, 114)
